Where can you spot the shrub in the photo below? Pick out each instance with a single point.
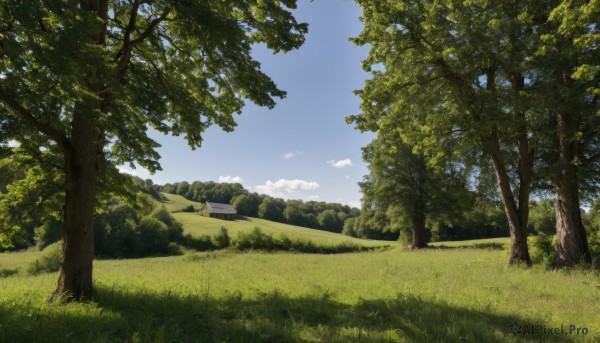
(48, 233)
(117, 241)
(174, 227)
(152, 237)
(48, 262)
(221, 239)
(256, 240)
(188, 208)
(542, 248)
(202, 243)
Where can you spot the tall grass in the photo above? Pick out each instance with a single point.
(437, 295)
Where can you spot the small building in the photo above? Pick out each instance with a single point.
(216, 210)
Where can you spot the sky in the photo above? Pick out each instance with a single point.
(303, 148)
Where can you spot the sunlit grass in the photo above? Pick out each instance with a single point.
(175, 202)
(396, 295)
(196, 225)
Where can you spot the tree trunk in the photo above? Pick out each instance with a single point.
(418, 229)
(81, 160)
(517, 215)
(572, 245)
(75, 274)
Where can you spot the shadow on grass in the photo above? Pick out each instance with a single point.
(484, 246)
(8, 272)
(117, 316)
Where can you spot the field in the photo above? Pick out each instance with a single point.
(176, 202)
(461, 291)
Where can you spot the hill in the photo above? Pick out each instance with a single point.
(175, 203)
(196, 225)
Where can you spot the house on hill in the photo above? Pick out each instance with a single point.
(216, 210)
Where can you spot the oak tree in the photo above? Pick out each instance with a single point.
(86, 79)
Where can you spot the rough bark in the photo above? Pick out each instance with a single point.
(420, 205)
(418, 229)
(81, 160)
(572, 245)
(80, 163)
(516, 213)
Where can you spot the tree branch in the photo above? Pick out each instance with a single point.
(124, 55)
(47, 129)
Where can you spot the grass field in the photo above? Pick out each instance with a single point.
(461, 292)
(176, 202)
(447, 295)
(195, 224)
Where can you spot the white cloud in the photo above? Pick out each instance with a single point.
(290, 155)
(283, 186)
(313, 197)
(230, 179)
(341, 163)
(347, 177)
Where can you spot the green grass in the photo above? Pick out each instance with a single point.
(196, 225)
(443, 295)
(176, 202)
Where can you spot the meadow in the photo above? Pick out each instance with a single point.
(452, 292)
(443, 295)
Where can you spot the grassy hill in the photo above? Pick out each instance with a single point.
(199, 225)
(196, 225)
(176, 202)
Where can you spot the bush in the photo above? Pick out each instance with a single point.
(152, 237)
(542, 248)
(174, 227)
(189, 208)
(257, 240)
(49, 260)
(48, 233)
(202, 243)
(221, 240)
(116, 241)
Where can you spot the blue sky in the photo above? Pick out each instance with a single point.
(302, 149)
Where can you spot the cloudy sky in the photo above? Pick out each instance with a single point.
(302, 149)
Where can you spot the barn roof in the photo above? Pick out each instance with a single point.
(214, 207)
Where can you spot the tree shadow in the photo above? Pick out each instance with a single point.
(120, 316)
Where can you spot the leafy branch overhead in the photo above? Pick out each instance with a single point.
(177, 66)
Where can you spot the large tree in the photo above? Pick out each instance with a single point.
(410, 187)
(86, 78)
(568, 82)
(456, 69)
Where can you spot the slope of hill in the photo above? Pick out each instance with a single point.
(176, 202)
(196, 225)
